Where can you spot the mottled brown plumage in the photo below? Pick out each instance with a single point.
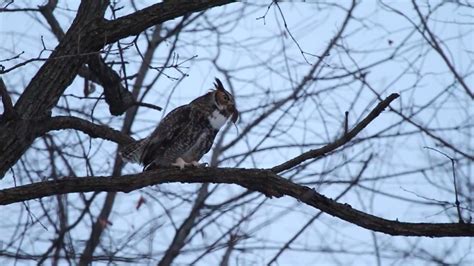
(186, 133)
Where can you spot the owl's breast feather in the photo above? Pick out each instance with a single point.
(217, 119)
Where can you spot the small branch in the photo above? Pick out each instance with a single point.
(47, 12)
(9, 111)
(289, 32)
(148, 105)
(116, 95)
(264, 181)
(4, 70)
(266, 13)
(458, 206)
(422, 128)
(339, 142)
(346, 123)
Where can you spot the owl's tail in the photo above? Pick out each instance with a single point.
(133, 152)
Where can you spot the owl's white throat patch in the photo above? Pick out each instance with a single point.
(217, 120)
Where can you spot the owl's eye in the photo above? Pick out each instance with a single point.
(226, 98)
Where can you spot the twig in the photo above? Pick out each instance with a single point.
(289, 33)
(148, 105)
(4, 70)
(266, 13)
(458, 208)
(346, 123)
(13, 57)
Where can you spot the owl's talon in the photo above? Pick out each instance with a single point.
(180, 163)
(196, 164)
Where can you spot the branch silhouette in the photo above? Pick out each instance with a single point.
(261, 180)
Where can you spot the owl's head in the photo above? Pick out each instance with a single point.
(225, 101)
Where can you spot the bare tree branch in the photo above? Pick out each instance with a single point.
(339, 142)
(264, 181)
(89, 128)
(136, 22)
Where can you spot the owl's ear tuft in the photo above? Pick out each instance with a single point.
(218, 85)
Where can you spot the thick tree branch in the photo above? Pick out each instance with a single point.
(136, 22)
(339, 142)
(264, 181)
(89, 128)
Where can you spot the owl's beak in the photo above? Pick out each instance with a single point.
(235, 113)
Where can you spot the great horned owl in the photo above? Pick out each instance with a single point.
(186, 133)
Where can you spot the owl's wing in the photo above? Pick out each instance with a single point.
(167, 133)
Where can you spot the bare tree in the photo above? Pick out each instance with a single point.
(360, 110)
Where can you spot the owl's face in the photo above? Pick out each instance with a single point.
(225, 101)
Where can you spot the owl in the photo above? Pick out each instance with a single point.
(186, 133)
